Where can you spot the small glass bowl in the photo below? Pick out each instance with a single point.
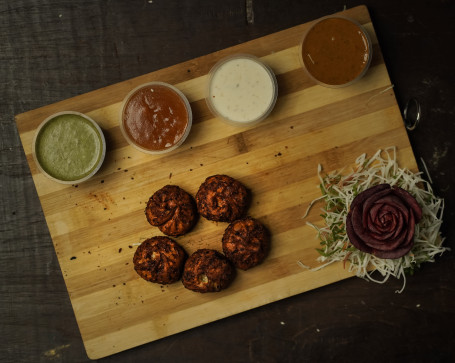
(179, 100)
(64, 128)
(336, 61)
(241, 90)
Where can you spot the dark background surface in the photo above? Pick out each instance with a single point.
(53, 50)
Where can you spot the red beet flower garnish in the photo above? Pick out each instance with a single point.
(381, 221)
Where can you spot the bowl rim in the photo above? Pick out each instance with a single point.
(227, 59)
(101, 137)
(179, 94)
(365, 33)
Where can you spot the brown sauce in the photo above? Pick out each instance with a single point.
(155, 117)
(335, 51)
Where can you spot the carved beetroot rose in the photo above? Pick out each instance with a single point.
(381, 221)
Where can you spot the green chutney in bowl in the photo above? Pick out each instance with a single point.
(69, 147)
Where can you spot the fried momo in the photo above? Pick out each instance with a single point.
(207, 270)
(172, 210)
(159, 259)
(222, 198)
(246, 242)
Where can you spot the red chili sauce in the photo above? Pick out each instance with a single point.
(335, 51)
(155, 117)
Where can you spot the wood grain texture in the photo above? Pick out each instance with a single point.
(51, 50)
(96, 225)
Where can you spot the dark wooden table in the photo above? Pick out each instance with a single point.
(52, 50)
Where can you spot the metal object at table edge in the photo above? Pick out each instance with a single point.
(412, 114)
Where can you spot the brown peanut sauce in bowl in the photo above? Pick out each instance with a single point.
(336, 51)
(155, 118)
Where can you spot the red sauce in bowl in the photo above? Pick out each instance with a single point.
(336, 51)
(156, 117)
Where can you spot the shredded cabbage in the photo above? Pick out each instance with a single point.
(338, 191)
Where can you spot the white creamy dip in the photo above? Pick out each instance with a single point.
(242, 90)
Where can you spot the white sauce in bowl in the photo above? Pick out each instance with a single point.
(242, 90)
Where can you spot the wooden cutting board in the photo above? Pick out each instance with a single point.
(96, 226)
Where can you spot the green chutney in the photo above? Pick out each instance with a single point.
(69, 147)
